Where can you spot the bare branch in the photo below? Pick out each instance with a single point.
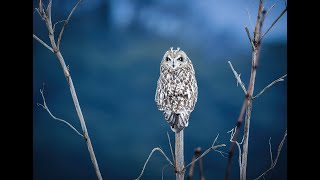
(170, 147)
(43, 43)
(250, 19)
(200, 168)
(49, 9)
(270, 150)
(206, 152)
(54, 26)
(44, 105)
(233, 132)
(163, 170)
(145, 164)
(215, 139)
(274, 23)
(46, 16)
(40, 7)
(66, 22)
(264, 89)
(274, 163)
(222, 153)
(269, 10)
(238, 78)
(196, 154)
(251, 42)
(190, 175)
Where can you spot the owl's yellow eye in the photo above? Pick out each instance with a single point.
(180, 59)
(167, 59)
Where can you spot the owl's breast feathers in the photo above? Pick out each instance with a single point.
(177, 94)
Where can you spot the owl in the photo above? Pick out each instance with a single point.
(177, 90)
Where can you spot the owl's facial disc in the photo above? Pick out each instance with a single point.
(175, 62)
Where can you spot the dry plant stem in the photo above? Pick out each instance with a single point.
(274, 23)
(234, 139)
(274, 163)
(248, 33)
(255, 60)
(46, 16)
(190, 175)
(163, 170)
(43, 43)
(206, 152)
(196, 154)
(201, 169)
(179, 156)
(145, 164)
(66, 22)
(267, 87)
(247, 105)
(44, 106)
(237, 76)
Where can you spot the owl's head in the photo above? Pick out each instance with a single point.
(175, 59)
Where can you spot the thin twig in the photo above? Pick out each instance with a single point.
(54, 26)
(249, 19)
(44, 106)
(270, 150)
(233, 132)
(232, 145)
(195, 155)
(145, 164)
(163, 170)
(238, 78)
(269, 10)
(274, 163)
(221, 152)
(170, 147)
(251, 42)
(200, 167)
(43, 43)
(274, 22)
(264, 89)
(66, 22)
(206, 152)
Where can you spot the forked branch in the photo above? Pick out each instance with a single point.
(44, 106)
(145, 164)
(66, 22)
(213, 147)
(273, 163)
(45, 14)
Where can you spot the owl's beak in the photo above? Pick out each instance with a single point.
(173, 65)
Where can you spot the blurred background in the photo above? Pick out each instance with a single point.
(113, 50)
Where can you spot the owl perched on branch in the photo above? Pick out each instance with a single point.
(177, 89)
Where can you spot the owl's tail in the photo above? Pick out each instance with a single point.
(177, 121)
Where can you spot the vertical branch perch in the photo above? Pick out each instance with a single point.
(179, 156)
(46, 16)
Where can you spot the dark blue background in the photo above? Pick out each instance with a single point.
(114, 49)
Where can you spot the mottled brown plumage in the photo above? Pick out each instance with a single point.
(177, 89)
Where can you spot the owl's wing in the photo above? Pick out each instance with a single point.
(160, 91)
(191, 88)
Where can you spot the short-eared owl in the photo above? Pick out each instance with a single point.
(177, 89)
